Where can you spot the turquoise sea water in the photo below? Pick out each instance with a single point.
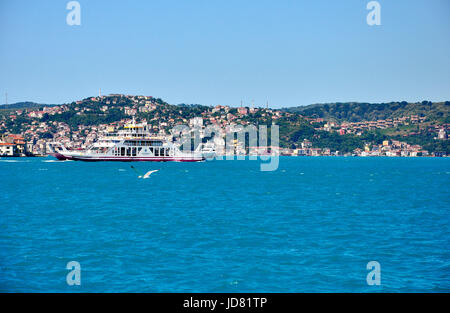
(224, 226)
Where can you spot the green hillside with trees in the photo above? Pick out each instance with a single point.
(295, 124)
(356, 112)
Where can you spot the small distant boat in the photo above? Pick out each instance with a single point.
(208, 150)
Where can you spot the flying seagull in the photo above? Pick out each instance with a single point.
(147, 175)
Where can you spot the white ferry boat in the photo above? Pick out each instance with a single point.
(133, 143)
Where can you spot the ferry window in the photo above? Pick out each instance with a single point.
(156, 143)
(122, 151)
(133, 151)
(128, 151)
(156, 152)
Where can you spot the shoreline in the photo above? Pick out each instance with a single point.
(293, 156)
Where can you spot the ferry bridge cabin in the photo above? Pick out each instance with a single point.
(134, 147)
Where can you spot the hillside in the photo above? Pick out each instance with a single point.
(23, 105)
(357, 112)
(391, 121)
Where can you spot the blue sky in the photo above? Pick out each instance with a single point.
(221, 52)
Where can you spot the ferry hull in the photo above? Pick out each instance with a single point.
(127, 159)
(61, 157)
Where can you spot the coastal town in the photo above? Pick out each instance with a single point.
(28, 131)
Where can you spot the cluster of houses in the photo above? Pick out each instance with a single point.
(13, 145)
(359, 127)
(392, 148)
(50, 110)
(380, 124)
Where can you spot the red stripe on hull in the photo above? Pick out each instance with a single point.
(61, 157)
(135, 159)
